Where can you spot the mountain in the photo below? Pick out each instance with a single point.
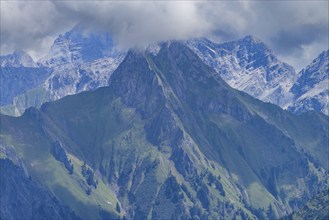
(249, 65)
(18, 80)
(20, 77)
(82, 61)
(17, 59)
(77, 61)
(169, 139)
(79, 45)
(311, 90)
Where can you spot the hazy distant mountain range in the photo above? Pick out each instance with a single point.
(80, 62)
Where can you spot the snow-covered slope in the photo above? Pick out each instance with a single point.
(70, 79)
(311, 90)
(79, 46)
(250, 66)
(17, 59)
(80, 61)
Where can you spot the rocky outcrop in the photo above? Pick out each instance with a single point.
(89, 177)
(60, 155)
(23, 198)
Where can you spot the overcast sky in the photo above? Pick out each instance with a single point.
(297, 31)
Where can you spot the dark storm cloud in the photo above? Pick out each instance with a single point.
(296, 31)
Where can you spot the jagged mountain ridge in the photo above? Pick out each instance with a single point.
(249, 65)
(79, 45)
(83, 61)
(173, 141)
(17, 59)
(311, 90)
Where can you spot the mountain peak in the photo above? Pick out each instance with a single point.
(249, 44)
(78, 32)
(249, 65)
(20, 53)
(311, 88)
(251, 39)
(18, 58)
(252, 43)
(78, 28)
(78, 46)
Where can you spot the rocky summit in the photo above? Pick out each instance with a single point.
(249, 65)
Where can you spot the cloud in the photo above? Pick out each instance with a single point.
(290, 28)
(140, 23)
(30, 25)
(296, 31)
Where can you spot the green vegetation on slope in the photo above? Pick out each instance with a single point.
(317, 208)
(168, 140)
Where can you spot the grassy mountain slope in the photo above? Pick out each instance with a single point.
(168, 140)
